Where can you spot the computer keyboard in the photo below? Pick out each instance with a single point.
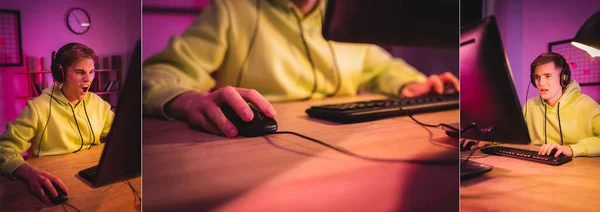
(89, 174)
(377, 109)
(526, 155)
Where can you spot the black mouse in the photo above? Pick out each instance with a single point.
(468, 147)
(62, 196)
(260, 124)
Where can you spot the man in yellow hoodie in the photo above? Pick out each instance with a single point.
(267, 50)
(64, 119)
(561, 117)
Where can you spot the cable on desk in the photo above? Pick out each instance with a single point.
(478, 131)
(344, 151)
(427, 125)
(65, 203)
(134, 191)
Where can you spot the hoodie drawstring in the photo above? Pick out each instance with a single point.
(545, 134)
(559, 126)
(90, 125)
(308, 55)
(79, 130)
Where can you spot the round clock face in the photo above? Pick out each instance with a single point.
(78, 21)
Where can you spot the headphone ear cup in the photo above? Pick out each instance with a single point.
(565, 77)
(565, 74)
(532, 80)
(58, 73)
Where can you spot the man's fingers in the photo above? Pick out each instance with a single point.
(407, 92)
(257, 99)
(58, 182)
(42, 195)
(435, 82)
(449, 78)
(215, 114)
(546, 149)
(558, 151)
(48, 184)
(541, 150)
(232, 97)
(36, 188)
(416, 89)
(197, 118)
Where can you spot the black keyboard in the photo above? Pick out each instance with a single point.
(526, 155)
(371, 110)
(89, 174)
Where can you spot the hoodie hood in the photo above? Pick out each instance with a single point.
(570, 93)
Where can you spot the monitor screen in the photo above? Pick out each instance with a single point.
(488, 97)
(406, 23)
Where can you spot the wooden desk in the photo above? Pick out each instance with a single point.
(520, 185)
(118, 196)
(186, 169)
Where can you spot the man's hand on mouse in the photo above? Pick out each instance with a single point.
(37, 178)
(466, 142)
(445, 83)
(202, 109)
(547, 148)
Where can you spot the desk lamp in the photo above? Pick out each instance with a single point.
(588, 36)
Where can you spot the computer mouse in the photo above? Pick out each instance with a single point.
(260, 124)
(62, 196)
(467, 147)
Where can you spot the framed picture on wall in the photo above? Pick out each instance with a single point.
(11, 49)
(585, 69)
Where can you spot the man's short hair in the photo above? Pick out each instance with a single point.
(558, 60)
(72, 53)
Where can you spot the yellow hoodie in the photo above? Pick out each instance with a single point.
(61, 135)
(277, 65)
(579, 121)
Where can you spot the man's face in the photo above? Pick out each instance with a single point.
(79, 77)
(547, 80)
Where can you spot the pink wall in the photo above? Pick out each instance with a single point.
(115, 29)
(527, 26)
(159, 27)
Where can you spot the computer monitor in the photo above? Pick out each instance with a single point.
(407, 23)
(122, 155)
(488, 97)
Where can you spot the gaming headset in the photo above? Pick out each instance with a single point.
(58, 72)
(565, 73)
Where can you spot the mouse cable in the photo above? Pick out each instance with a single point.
(344, 151)
(134, 191)
(65, 203)
(478, 131)
(428, 125)
(463, 165)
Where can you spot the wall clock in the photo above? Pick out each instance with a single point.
(78, 21)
